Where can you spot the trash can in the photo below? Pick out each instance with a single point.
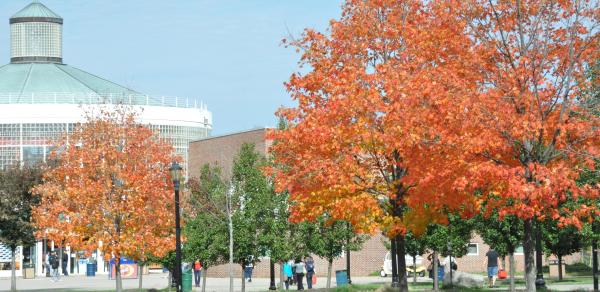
(341, 278)
(90, 270)
(441, 273)
(28, 273)
(186, 278)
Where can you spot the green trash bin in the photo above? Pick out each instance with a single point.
(187, 281)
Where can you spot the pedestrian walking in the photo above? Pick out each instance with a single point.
(65, 261)
(310, 271)
(492, 266)
(54, 263)
(47, 264)
(248, 271)
(197, 272)
(300, 272)
(449, 263)
(430, 266)
(287, 274)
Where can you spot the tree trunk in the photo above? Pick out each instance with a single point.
(204, 272)
(280, 276)
(118, 275)
(511, 271)
(329, 267)
(13, 272)
(528, 253)
(170, 281)
(560, 275)
(141, 273)
(401, 250)
(436, 284)
(243, 279)
(414, 270)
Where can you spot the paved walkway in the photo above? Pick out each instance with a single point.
(159, 281)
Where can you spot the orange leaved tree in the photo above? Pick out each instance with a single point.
(530, 135)
(380, 113)
(107, 187)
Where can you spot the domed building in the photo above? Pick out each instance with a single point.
(42, 98)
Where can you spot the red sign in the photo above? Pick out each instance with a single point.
(128, 271)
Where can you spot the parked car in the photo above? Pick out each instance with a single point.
(386, 268)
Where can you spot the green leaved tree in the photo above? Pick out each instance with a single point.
(415, 246)
(503, 234)
(561, 241)
(329, 239)
(206, 226)
(448, 240)
(252, 204)
(16, 202)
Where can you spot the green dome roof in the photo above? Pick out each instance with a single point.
(20, 82)
(36, 9)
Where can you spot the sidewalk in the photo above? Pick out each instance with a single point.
(157, 281)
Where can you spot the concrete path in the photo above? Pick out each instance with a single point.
(158, 281)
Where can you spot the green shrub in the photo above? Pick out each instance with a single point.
(578, 268)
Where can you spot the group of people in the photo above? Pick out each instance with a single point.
(52, 262)
(450, 263)
(294, 272)
(445, 265)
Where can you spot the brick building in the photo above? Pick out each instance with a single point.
(221, 151)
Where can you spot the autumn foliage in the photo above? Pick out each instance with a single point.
(107, 182)
(409, 109)
(377, 110)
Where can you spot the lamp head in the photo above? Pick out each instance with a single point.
(176, 172)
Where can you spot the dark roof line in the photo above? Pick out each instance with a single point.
(233, 133)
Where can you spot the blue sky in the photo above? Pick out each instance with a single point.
(228, 53)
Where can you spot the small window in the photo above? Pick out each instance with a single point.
(519, 249)
(473, 249)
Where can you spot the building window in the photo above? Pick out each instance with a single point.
(473, 249)
(519, 249)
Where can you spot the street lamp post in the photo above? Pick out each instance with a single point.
(450, 263)
(539, 278)
(176, 174)
(348, 252)
(272, 275)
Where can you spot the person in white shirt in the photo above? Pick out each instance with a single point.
(448, 264)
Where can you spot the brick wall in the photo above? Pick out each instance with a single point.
(221, 150)
(362, 263)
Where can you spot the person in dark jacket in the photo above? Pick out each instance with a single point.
(54, 263)
(65, 261)
(310, 271)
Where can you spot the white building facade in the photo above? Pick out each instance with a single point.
(41, 98)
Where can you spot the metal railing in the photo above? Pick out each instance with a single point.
(100, 98)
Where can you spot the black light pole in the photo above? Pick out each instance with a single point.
(348, 252)
(272, 271)
(539, 278)
(595, 259)
(450, 263)
(176, 174)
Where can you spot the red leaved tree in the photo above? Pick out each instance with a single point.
(530, 136)
(108, 182)
(380, 113)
